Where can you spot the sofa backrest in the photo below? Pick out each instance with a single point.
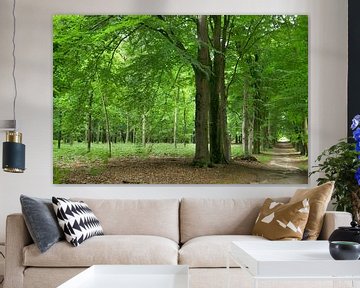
(200, 217)
(159, 217)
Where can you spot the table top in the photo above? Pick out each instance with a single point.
(131, 276)
(291, 259)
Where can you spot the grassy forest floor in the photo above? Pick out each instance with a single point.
(158, 164)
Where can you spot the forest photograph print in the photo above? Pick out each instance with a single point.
(180, 99)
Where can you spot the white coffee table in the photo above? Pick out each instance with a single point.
(131, 276)
(293, 260)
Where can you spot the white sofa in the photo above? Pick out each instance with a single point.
(194, 232)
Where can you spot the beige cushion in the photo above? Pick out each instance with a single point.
(333, 220)
(200, 217)
(211, 251)
(278, 221)
(107, 249)
(319, 198)
(159, 217)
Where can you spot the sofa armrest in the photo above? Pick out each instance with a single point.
(17, 237)
(333, 220)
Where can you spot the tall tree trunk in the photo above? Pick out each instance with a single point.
(185, 123)
(251, 132)
(127, 129)
(134, 135)
(176, 116)
(98, 132)
(215, 131)
(59, 140)
(219, 142)
(257, 125)
(202, 157)
(89, 132)
(245, 122)
(265, 133)
(226, 141)
(265, 125)
(271, 131)
(257, 103)
(107, 124)
(143, 120)
(59, 131)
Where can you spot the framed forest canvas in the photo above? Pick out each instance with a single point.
(180, 99)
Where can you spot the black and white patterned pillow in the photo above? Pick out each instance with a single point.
(77, 220)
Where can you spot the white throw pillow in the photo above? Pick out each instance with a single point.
(77, 220)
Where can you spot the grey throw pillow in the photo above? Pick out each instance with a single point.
(41, 221)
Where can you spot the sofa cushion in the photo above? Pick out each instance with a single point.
(41, 221)
(77, 220)
(201, 217)
(279, 221)
(107, 249)
(211, 251)
(158, 217)
(319, 198)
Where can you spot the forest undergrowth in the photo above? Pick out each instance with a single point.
(162, 163)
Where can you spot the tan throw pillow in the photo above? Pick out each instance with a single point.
(319, 198)
(279, 221)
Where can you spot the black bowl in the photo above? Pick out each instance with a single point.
(344, 250)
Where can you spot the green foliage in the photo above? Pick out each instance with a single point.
(76, 153)
(339, 163)
(277, 81)
(135, 72)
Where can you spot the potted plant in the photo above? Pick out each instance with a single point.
(341, 163)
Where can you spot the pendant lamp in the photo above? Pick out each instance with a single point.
(13, 159)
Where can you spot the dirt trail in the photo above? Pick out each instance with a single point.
(285, 156)
(285, 167)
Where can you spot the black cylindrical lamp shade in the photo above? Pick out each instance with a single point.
(13, 157)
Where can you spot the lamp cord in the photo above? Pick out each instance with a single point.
(14, 60)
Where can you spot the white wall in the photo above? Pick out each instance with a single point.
(328, 67)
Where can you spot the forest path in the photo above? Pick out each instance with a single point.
(285, 156)
(286, 165)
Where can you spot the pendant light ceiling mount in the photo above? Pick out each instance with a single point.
(7, 125)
